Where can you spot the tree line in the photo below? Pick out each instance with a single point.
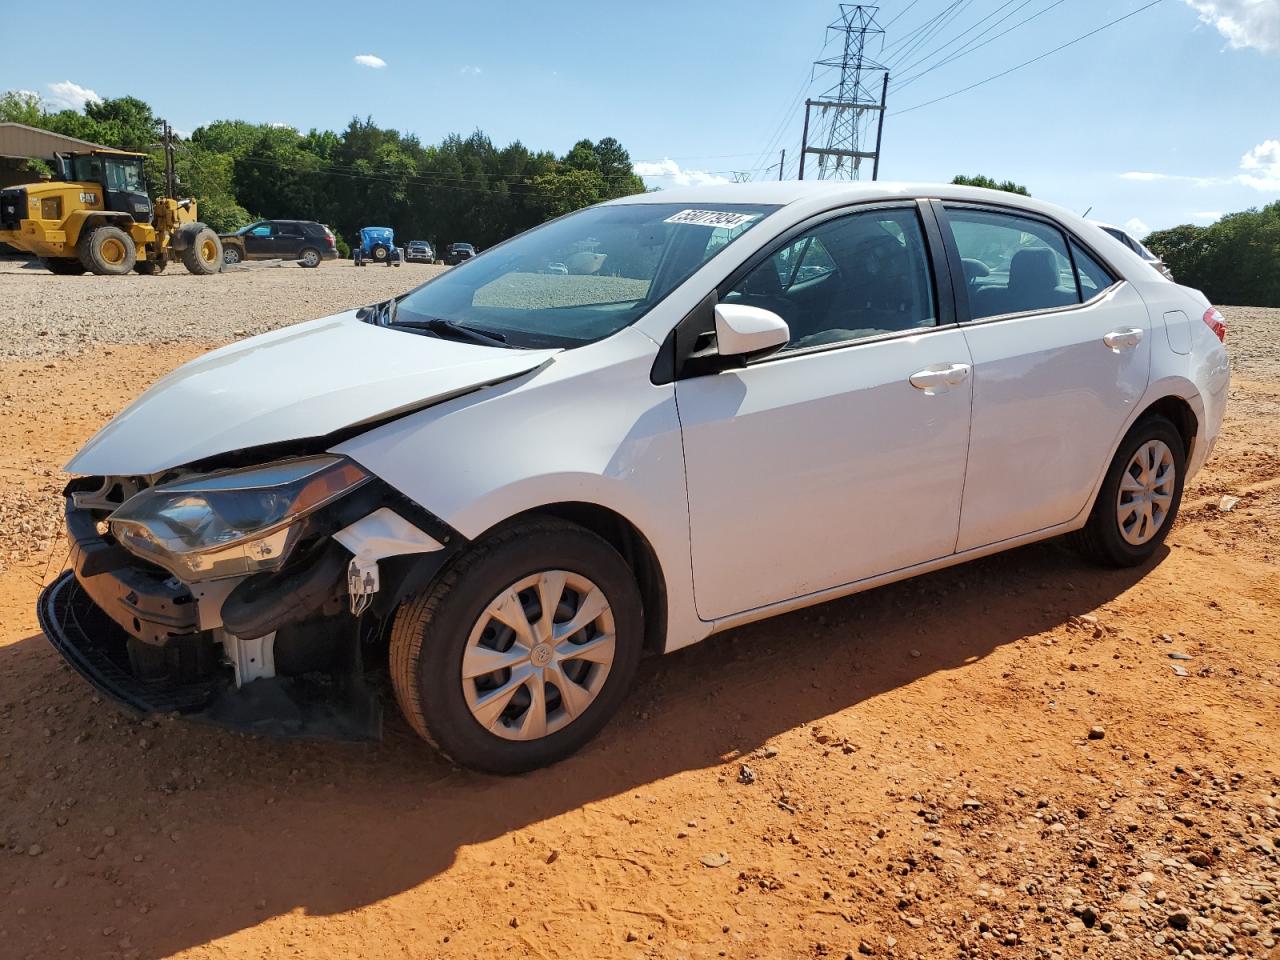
(460, 189)
(1233, 261)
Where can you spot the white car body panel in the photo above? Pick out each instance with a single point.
(1050, 402)
(813, 470)
(773, 452)
(303, 381)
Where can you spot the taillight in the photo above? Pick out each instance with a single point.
(1215, 322)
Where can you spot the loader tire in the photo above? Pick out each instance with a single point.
(63, 266)
(107, 251)
(204, 255)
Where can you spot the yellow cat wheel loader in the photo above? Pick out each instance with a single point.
(95, 215)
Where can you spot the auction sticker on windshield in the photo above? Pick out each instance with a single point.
(712, 218)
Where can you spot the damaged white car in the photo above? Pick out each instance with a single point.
(620, 432)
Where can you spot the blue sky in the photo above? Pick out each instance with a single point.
(1169, 117)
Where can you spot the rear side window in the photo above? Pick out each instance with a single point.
(1012, 264)
(1094, 278)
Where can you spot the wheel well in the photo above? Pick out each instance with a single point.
(635, 548)
(1180, 414)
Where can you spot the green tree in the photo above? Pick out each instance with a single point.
(21, 106)
(982, 181)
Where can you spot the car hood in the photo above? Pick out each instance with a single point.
(296, 383)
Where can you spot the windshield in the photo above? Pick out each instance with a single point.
(583, 277)
(115, 173)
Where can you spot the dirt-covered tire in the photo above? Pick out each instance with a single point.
(1127, 526)
(150, 268)
(309, 257)
(203, 256)
(107, 251)
(231, 254)
(63, 266)
(439, 635)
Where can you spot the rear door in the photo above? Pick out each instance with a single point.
(1061, 354)
(288, 239)
(842, 456)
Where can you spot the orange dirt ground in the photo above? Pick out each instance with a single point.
(923, 779)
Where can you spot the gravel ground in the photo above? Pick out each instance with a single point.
(42, 315)
(1022, 757)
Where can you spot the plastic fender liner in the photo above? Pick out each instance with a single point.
(266, 602)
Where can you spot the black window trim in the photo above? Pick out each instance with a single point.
(684, 352)
(963, 312)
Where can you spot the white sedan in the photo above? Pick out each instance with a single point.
(623, 431)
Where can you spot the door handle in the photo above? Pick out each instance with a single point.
(1121, 340)
(939, 377)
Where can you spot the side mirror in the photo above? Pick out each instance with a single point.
(748, 332)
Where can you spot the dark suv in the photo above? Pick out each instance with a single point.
(455, 253)
(303, 240)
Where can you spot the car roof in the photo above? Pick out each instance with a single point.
(785, 192)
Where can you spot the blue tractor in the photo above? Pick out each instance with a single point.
(377, 244)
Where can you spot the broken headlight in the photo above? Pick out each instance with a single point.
(230, 523)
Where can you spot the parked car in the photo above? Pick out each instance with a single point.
(506, 485)
(1137, 246)
(377, 244)
(455, 253)
(306, 241)
(419, 251)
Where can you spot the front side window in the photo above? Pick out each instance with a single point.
(583, 277)
(1012, 264)
(862, 275)
(260, 230)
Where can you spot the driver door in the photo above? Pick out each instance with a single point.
(842, 456)
(259, 242)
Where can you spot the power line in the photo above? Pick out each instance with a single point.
(1027, 63)
(900, 13)
(936, 50)
(944, 22)
(973, 44)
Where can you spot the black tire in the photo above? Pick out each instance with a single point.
(380, 252)
(231, 255)
(107, 251)
(203, 255)
(1101, 539)
(430, 633)
(309, 257)
(63, 266)
(150, 268)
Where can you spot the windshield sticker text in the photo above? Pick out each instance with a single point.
(711, 218)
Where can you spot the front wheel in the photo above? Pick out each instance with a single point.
(522, 650)
(231, 255)
(204, 255)
(1140, 496)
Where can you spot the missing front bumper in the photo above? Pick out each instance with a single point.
(296, 707)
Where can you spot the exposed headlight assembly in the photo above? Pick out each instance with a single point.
(234, 522)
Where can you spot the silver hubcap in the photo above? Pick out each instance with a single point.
(539, 655)
(311, 259)
(230, 256)
(1146, 492)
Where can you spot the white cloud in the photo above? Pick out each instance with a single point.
(1262, 166)
(1144, 176)
(1136, 228)
(369, 60)
(470, 71)
(66, 95)
(1147, 176)
(668, 171)
(1245, 23)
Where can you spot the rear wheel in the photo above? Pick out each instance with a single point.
(522, 650)
(107, 251)
(1139, 498)
(380, 253)
(63, 266)
(204, 254)
(310, 257)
